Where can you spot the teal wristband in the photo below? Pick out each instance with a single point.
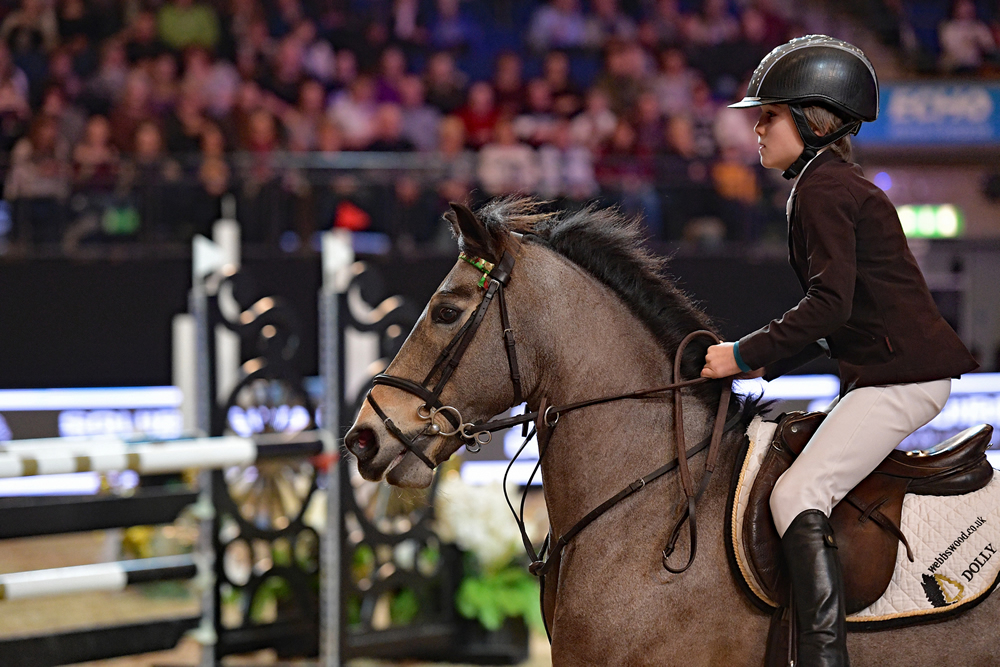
(739, 360)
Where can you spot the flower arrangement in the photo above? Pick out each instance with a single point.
(497, 584)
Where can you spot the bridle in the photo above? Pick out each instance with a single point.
(495, 278)
(475, 434)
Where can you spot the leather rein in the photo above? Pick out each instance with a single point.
(475, 434)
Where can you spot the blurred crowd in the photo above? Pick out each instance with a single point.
(957, 37)
(133, 120)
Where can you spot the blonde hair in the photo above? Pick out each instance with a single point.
(824, 121)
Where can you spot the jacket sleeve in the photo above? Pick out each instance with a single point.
(788, 364)
(826, 214)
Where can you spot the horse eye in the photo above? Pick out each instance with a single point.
(445, 314)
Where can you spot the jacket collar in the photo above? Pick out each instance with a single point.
(826, 156)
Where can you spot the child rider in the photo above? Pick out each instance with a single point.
(866, 304)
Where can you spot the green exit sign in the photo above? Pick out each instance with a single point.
(931, 222)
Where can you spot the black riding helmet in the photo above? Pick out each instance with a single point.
(816, 70)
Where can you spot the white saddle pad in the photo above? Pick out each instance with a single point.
(955, 542)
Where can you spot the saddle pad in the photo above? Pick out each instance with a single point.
(955, 542)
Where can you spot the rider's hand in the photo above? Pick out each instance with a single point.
(720, 362)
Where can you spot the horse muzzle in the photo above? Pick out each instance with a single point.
(380, 455)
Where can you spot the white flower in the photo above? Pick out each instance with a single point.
(477, 520)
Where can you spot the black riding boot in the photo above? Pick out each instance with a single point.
(817, 591)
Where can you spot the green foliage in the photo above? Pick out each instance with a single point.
(404, 607)
(493, 597)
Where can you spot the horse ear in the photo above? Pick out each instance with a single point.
(471, 233)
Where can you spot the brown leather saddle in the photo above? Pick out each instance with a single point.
(866, 522)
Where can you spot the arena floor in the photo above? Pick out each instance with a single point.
(21, 617)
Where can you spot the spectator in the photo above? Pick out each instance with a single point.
(608, 22)
(480, 115)
(445, 83)
(392, 69)
(535, 125)
(409, 23)
(353, 112)
(62, 73)
(254, 52)
(143, 42)
(15, 113)
(329, 138)
(184, 23)
(216, 82)
(662, 28)
(566, 96)
(648, 125)
(420, 120)
(749, 49)
(302, 121)
(458, 165)
(95, 159)
(675, 82)
(507, 166)
(285, 75)
(30, 33)
(624, 76)
(627, 178)
(965, 40)
(266, 204)
(508, 86)
(104, 88)
(32, 28)
(595, 124)
(235, 126)
(76, 24)
(283, 16)
(714, 25)
(566, 169)
(182, 129)
(319, 60)
(163, 87)
(149, 179)
(702, 116)
(132, 110)
(389, 131)
(70, 119)
(213, 181)
(39, 182)
(776, 28)
(345, 69)
(451, 29)
(558, 25)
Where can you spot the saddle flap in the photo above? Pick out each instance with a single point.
(867, 549)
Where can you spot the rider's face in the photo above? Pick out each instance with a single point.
(778, 140)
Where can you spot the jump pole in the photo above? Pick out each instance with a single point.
(50, 457)
(98, 577)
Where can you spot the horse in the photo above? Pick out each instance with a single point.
(593, 314)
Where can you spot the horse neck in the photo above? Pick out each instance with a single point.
(587, 345)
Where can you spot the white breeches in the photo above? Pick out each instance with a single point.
(860, 430)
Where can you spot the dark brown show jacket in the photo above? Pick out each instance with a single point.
(864, 292)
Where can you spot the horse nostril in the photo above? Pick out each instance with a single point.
(361, 443)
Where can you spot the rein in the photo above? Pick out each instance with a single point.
(476, 434)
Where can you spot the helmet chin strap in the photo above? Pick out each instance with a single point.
(813, 142)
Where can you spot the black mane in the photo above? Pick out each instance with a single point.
(612, 248)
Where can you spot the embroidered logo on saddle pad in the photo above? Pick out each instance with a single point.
(954, 540)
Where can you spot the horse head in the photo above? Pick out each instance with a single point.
(453, 370)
